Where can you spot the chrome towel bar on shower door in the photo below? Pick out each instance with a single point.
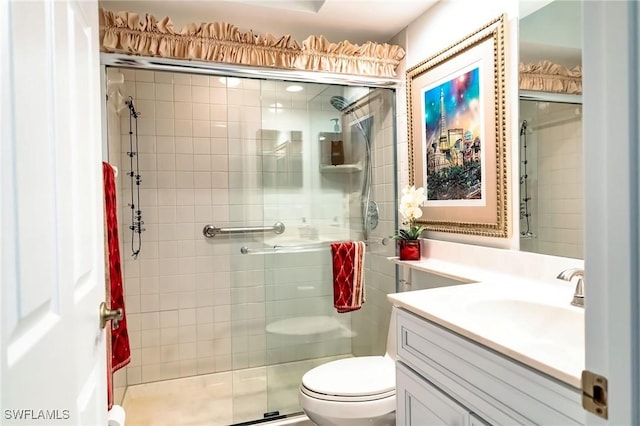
(211, 231)
(324, 245)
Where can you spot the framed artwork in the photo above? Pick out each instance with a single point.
(457, 134)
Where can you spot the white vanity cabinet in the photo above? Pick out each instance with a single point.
(444, 378)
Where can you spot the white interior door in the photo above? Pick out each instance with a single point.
(52, 358)
(611, 107)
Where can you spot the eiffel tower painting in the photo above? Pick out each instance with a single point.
(457, 114)
(453, 131)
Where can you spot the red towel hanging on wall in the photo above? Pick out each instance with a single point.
(119, 353)
(348, 275)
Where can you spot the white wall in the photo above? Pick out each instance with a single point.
(178, 305)
(441, 26)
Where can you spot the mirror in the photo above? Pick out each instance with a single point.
(550, 141)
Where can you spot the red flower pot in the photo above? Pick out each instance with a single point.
(409, 249)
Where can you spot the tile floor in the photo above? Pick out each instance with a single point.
(219, 398)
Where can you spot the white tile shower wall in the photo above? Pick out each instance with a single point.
(554, 183)
(313, 204)
(529, 185)
(370, 325)
(178, 291)
(302, 323)
(201, 162)
(560, 181)
(298, 285)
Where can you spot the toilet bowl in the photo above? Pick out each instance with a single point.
(353, 391)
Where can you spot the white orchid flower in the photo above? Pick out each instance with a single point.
(417, 212)
(411, 201)
(411, 209)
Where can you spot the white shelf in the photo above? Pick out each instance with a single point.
(341, 168)
(438, 267)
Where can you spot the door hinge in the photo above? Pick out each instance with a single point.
(594, 394)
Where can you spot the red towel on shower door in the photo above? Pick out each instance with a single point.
(348, 275)
(119, 353)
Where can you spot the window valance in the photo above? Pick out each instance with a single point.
(131, 33)
(546, 76)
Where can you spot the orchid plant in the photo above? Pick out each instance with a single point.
(410, 210)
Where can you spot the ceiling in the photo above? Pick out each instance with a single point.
(355, 20)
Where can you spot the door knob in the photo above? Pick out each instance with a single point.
(107, 314)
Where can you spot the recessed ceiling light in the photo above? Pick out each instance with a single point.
(294, 88)
(276, 105)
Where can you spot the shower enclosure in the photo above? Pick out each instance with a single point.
(230, 299)
(551, 194)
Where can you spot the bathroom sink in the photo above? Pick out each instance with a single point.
(532, 322)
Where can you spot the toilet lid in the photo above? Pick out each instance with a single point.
(359, 376)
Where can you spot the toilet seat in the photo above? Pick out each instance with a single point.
(339, 398)
(351, 379)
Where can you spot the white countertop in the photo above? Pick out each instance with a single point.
(529, 321)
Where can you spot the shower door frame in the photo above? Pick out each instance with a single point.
(230, 70)
(242, 71)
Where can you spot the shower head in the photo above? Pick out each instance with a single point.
(339, 103)
(523, 127)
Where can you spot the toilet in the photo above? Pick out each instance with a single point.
(353, 391)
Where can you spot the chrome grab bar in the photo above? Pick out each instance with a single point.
(211, 231)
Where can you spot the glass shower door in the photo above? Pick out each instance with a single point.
(302, 329)
(283, 322)
(321, 201)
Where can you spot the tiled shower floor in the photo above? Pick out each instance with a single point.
(209, 399)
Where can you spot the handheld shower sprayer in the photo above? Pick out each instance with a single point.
(369, 207)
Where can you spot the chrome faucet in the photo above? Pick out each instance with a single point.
(578, 294)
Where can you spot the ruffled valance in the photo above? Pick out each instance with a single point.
(546, 76)
(127, 32)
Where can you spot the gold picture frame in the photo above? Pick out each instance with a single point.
(457, 134)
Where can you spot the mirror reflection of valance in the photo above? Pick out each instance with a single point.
(131, 33)
(546, 76)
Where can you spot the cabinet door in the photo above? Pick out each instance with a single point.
(420, 403)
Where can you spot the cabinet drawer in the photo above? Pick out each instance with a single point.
(497, 388)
